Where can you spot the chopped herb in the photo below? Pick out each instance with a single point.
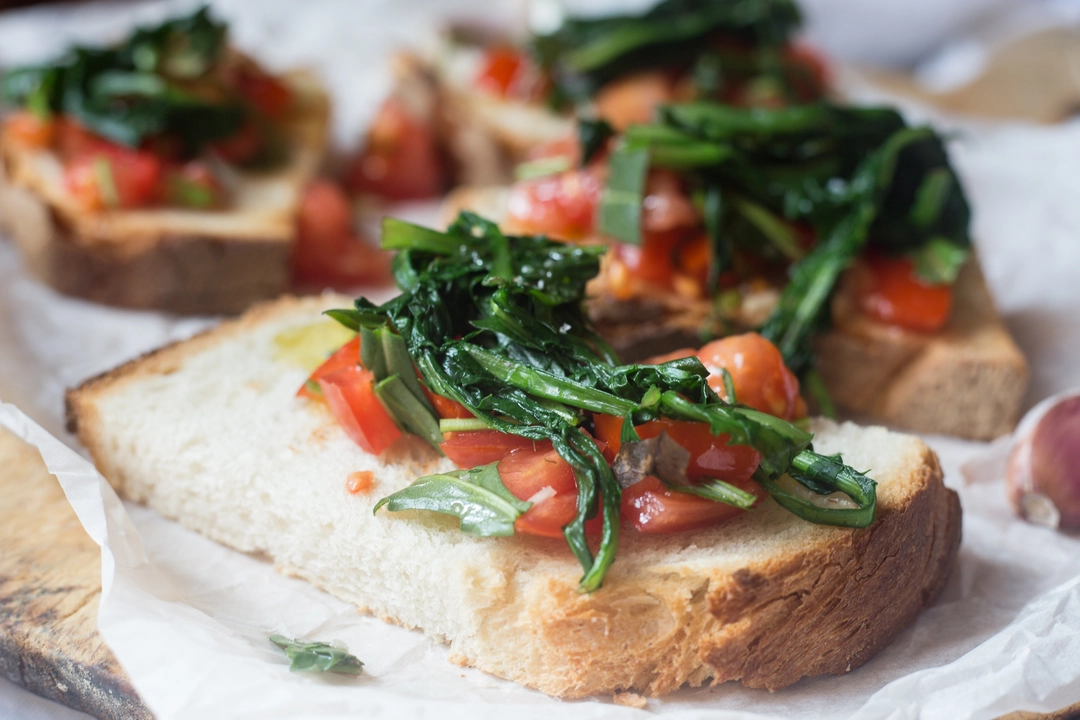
(317, 656)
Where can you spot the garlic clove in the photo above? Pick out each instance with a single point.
(1043, 473)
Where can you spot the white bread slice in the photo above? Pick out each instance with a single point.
(209, 432)
(179, 260)
(968, 379)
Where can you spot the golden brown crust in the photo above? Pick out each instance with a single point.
(826, 610)
(163, 259)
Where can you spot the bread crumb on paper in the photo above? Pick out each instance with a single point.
(630, 699)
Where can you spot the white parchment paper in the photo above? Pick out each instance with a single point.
(188, 619)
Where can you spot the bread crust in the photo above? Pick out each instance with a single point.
(675, 610)
(193, 262)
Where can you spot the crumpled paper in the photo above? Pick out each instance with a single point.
(189, 619)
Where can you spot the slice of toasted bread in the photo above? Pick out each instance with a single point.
(968, 379)
(210, 432)
(178, 260)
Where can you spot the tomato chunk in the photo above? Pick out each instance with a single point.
(401, 158)
(483, 447)
(758, 373)
(241, 147)
(29, 129)
(350, 393)
(348, 355)
(114, 177)
(500, 70)
(268, 94)
(631, 100)
(894, 294)
(192, 185)
(652, 508)
(446, 407)
(327, 253)
(561, 205)
(527, 470)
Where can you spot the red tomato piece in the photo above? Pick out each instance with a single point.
(483, 447)
(500, 70)
(28, 129)
(652, 508)
(758, 373)
(350, 393)
(548, 517)
(809, 71)
(74, 141)
(401, 158)
(894, 294)
(241, 147)
(446, 407)
(653, 260)
(192, 185)
(326, 252)
(114, 177)
(527, 470)
(268, 94)
(562, 205)
(347, 356)
(631, 100)
(666, 205)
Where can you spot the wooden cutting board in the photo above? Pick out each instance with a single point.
(50, 584)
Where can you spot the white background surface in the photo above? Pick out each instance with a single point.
(1024, 183)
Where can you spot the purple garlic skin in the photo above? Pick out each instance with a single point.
(1043, 474)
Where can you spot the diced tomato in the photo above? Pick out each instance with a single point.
(653, 260)
(327, 253)
(652, 508)
(483, 447)
(446, 407)
(666, 205)
(758, 373)
(74, 141)
(192, 185)
(500, 71)
(270, 95)
(241, 147)
(527, 470)
(894, 294)
(809, 71)
(114, 177)
(693, 258)
(350, 393)
(401, 158)
(360, 481)
(547, 518)
(28, 129)
(562, 205)
(632, 99)
(347, 356)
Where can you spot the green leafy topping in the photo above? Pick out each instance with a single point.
(477, 497)
(316, 656)
(585, 53)
(496, 323)
(383, 352)
(619, 214)
(593, 136)
(150, 85)
(823, 476)
(938, 262)
(721, 492)
(854, 176)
